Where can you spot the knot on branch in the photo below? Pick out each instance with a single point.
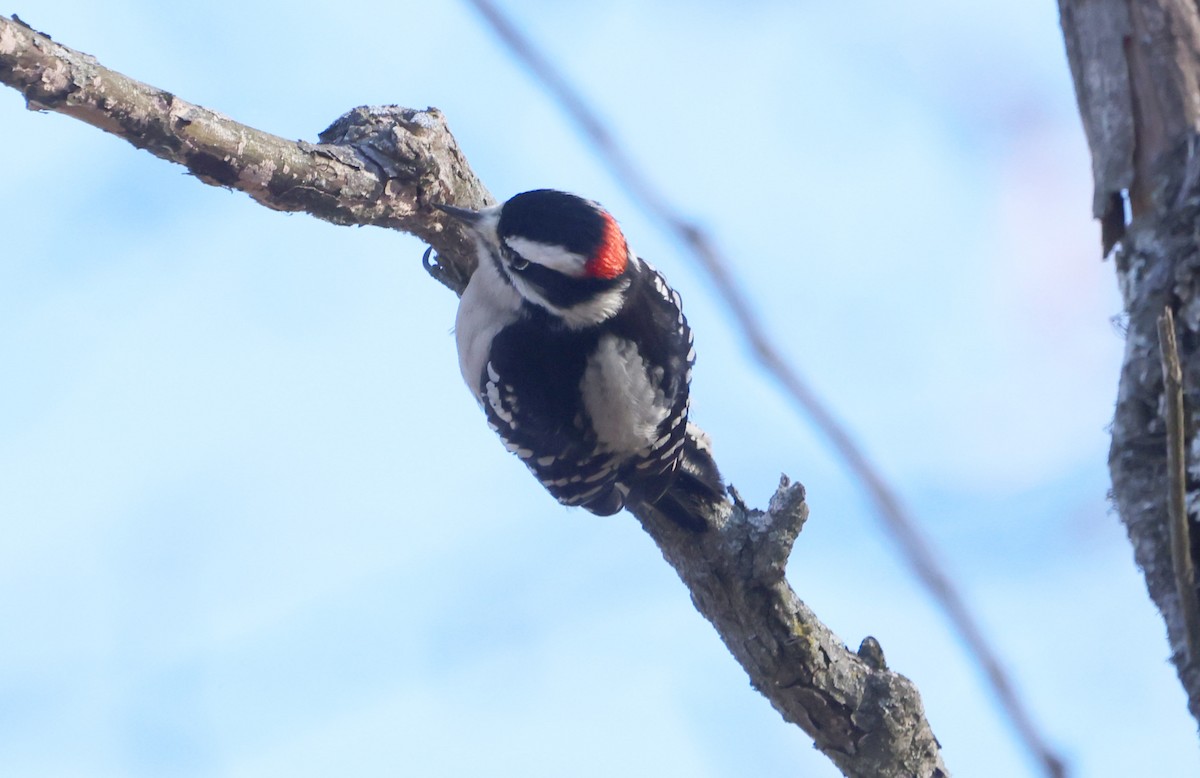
(412, 146)
(393, 138)
(415, 155)
(871, 653)
(767, 536)
(885, 729)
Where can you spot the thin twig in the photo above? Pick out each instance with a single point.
(1181, 557)
(895, 518)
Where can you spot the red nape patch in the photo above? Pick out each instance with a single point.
(610, 258)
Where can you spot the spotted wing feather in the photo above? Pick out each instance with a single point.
(665, 340)
(529, 391)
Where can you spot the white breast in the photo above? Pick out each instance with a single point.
(624, 400)
(488, 305)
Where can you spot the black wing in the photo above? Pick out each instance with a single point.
(530, 393)
(654, 320)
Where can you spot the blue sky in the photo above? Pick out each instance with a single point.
(254, 524)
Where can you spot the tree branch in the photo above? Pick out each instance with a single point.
(378, 166)
(385, 166)
(893, 517)
(868, 720)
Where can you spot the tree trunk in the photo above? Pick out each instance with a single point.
(1136, 65)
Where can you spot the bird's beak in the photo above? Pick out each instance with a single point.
(464, 215)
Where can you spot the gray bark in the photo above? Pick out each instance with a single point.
(1136, 65)
(386, 167)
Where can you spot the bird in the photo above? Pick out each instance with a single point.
(579, 354)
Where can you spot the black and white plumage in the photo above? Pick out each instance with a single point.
(580, 355)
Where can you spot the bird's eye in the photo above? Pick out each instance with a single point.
(515, 260)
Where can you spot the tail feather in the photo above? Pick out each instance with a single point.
(698, 485)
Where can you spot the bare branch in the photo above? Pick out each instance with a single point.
(914, 547)
(379, 166)
(868, 720)
(385, 167)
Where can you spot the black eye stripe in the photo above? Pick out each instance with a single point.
(561, 290)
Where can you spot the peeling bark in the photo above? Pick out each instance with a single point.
(385, 166)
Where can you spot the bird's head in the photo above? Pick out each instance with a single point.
(558, 251)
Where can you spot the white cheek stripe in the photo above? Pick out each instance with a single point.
(548, 255)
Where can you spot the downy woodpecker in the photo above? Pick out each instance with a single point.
(578, 352)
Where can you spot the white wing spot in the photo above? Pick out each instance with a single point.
(601, 475)
(590, 493)
(493, 395)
